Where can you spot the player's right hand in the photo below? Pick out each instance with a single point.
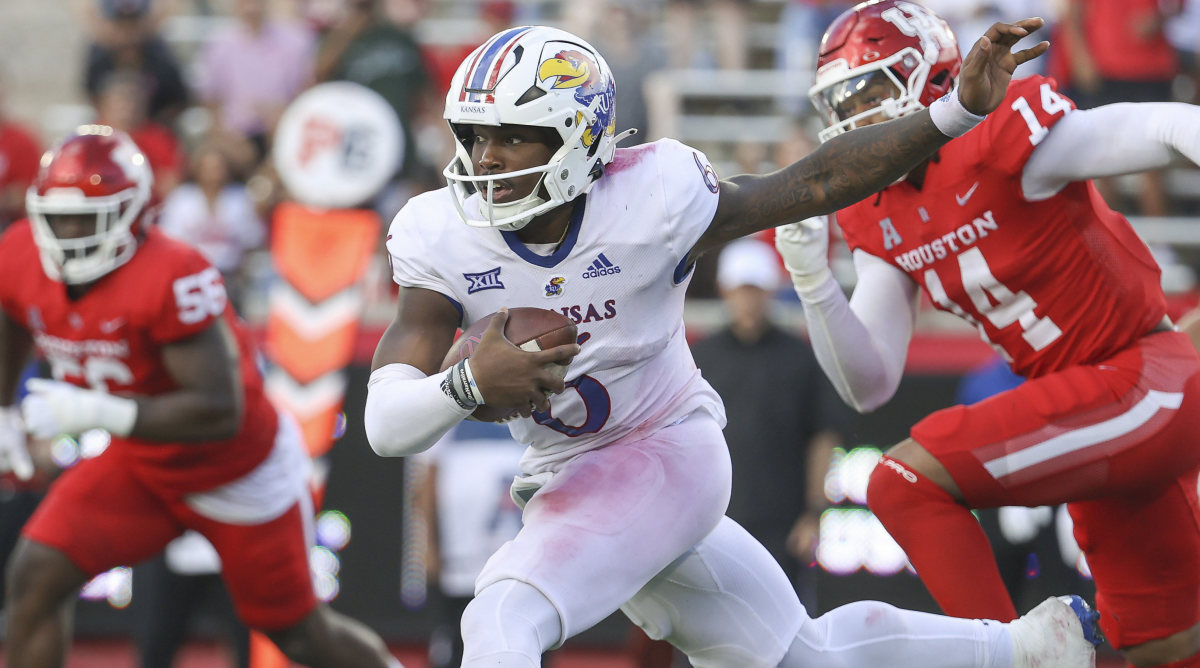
(509, 377)
(804, 247)
(989, 65)
(14, 456)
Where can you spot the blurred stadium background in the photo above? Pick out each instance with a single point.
(733, 86)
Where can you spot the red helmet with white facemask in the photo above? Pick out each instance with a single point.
(97, 172)
(884, 57)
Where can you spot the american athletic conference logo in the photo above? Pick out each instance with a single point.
(601, 266)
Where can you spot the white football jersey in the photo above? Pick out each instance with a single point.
(618, 274)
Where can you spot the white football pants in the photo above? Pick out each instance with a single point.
(639, 525)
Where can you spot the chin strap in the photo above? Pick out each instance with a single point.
(623, 135)
(598, 168)
(612, 147)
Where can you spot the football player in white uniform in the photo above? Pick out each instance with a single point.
(626, 477)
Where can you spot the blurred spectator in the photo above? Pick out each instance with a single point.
(443, 59)
(20, 152)
(435, 146)
(464, 499)
(729, 30)
(246, 76)
(367, 47)
(121, 102)
(126, 38)
(780, 450)
(633, 52)
(216, 215)
(1183, 31)
(799, 30)
(1118, 52)
(796, 142)
(750, 156)
(991, 377)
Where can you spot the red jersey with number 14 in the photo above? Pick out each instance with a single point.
(112, 338)
(1052, 283)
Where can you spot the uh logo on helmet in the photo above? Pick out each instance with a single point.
(572, 68)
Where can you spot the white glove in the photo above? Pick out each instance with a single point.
(53, 408)
(13, 454)
(804, 247)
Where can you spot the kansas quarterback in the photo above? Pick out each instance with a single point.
(626, 476)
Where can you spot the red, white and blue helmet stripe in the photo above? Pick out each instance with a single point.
(484, 70)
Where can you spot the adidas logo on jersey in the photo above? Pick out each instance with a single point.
(601, 266)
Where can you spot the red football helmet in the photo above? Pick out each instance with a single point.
(100, 172)
(884, 57)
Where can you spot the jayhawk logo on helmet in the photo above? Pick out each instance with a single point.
(572, 68)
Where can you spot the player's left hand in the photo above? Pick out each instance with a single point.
(989, 66)
(53, 408)
(804, 247)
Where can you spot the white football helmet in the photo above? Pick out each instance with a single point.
(536, 76)
(97, 171)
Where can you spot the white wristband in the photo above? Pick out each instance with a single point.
(950, 116)
(460, 386)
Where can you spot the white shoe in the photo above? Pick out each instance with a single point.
(1059, 633)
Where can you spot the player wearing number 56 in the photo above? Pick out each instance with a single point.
(1004, 229)
(142, 343)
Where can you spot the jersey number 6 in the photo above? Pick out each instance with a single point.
(595, 401)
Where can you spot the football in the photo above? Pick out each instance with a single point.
(527, 328)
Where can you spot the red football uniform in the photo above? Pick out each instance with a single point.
(111, 337)
(1065, 289)
(1053, 283)
(126, 504)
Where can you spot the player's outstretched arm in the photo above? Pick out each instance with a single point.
(856, 164)
(205, 405)
(1111, 140)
